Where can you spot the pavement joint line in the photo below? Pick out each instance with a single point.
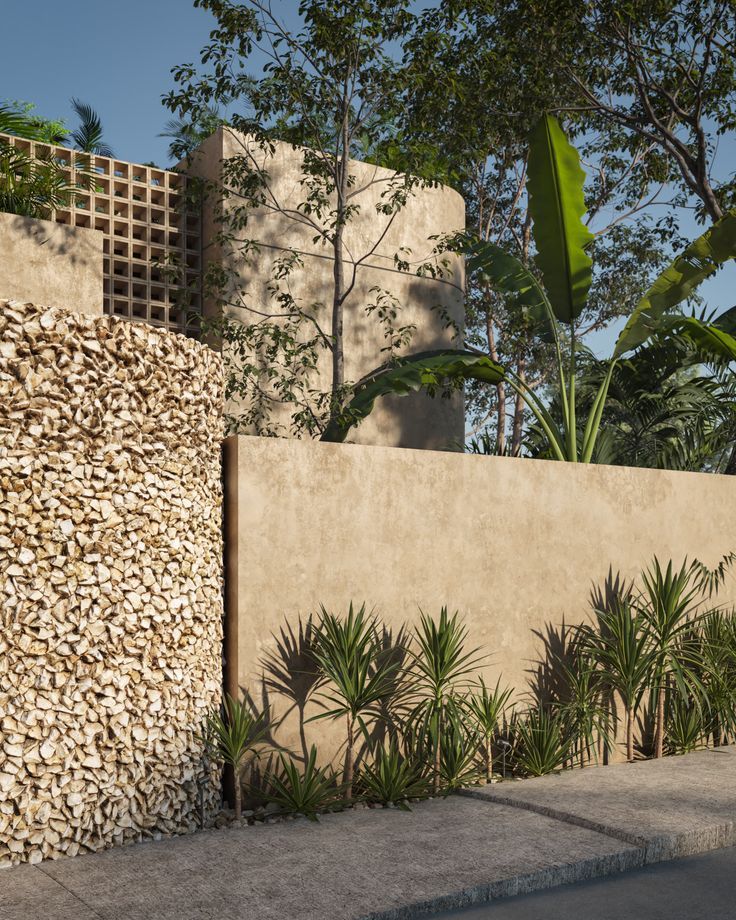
(556, 814)
(69, 891)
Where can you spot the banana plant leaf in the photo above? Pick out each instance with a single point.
(557, 204)
(727, 321)
(702, 258)
(710, 339)
(508, 275)
(425, 370)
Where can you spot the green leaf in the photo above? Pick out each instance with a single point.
(508, 275)
(425, 370)
(702, 258)
(713, 343)
(557, 204)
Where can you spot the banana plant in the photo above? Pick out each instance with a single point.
(555, 304)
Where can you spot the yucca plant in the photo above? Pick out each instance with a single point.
(718, 674)
(622, 650)
(685, 726)
(459, 749)
(304, 789)
(485, 707)
(392, 777)
(553, 301)
(358, 676)
(669, 603)
(229, 735)
(542, 742)
(584, 708)
(441, 668)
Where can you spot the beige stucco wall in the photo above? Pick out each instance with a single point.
(48, 263)
(512, 544)
(416, 421)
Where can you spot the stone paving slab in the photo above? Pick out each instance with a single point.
(27, 893)
(385, 864)
(672, 807)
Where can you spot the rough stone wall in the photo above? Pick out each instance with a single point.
(110, 580)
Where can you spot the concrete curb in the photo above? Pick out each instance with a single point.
(553, 877)
(650, 848)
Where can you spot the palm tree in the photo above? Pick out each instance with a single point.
(556, 205)
(31, 186)
(186, 136)
(88, 136)
(349, 655)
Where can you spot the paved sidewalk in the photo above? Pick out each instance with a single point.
(390, 865)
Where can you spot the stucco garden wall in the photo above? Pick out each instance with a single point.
(514, 545)
(110, 580)
(49, 263)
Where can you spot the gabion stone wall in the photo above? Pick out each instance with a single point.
(110, 580)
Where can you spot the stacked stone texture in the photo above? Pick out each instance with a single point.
(110, 580)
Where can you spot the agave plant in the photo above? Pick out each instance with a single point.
(230, 735)
(392, 777)
(304, 789)
(358, 676)
(554, 305)
(485, 708)
(441, 669)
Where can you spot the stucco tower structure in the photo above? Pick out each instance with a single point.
(373, 240)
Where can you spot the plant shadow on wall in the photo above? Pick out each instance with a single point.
(651, 672)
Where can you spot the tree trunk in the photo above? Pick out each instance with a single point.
(338, 294)
(438, 754)
(349, 760)
(630, 734)
(500, 390)
(731, 465)
(237, 794)
(519, 405)
(489, 758)
(659, 732)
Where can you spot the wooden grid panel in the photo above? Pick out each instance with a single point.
(140, 210)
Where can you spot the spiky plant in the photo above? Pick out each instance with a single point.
(441, 669)
(669, 603)
(357, 675)
(393, 777)
(622, 650)
(485, 708)
(542, 742)
(304, 789)
(230, 734)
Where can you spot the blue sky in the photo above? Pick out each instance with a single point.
(118, 58)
